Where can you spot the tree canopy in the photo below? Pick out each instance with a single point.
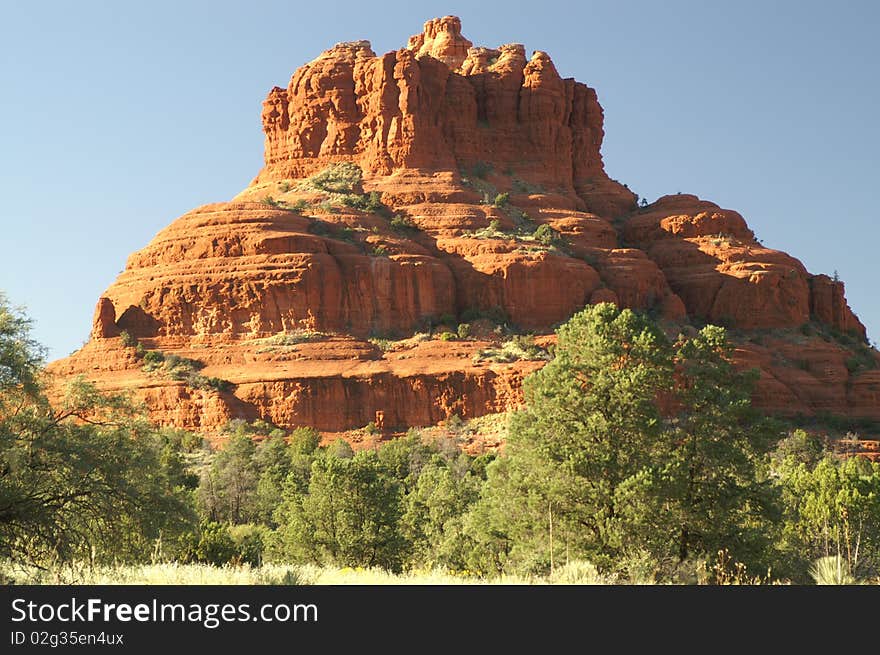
(86, 478)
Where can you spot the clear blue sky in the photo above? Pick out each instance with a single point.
(117, 117)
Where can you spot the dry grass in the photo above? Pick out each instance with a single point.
(156, 574)
(272, 574)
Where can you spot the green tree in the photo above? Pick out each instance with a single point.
(273, 460)
(304, 446)
(405, 457)
(720, 495)
(629, 443)
(832, 508)
(591, 424)
(433, 520)
(349, 515)
(211, 544)
(85, 478)
(228, 491)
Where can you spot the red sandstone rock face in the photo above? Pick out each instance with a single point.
(104, 324)
(439, 129)
(808, 375)
(713, 262)
(442, 40)
(440, 104)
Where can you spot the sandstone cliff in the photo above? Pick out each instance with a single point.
(408, 193)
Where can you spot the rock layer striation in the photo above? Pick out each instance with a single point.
(440, 184)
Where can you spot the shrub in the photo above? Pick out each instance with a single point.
(187, 441)
(291, 338)
(495, 314)
(382, 344)
(401, 223)
(525, 187)
(372, 428)
(284, 186)
(300, 205)
(181, 368)
(140, 351)
(320, 228)
(577, 572)
(340, 448)
(501, 200)
(519, 347)
(380, 251)
(374, 202)
(344, 177)
(547, 236)
(353, 200)
(492, 231)
(153, 359)
(212, 545)
(128, 339)
(304, 440)
(831, 570)
(249, 543)
(481, 169)
(447, 336)
(464, 330)
(197, 381)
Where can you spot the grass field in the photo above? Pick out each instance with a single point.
(273, 574)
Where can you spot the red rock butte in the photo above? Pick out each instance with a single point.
(406, 193)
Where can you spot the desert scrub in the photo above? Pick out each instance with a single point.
(341, 183)
(128, 339)
(384, 345)
(501, 200)
(547, 236)
(287, 339)
(370, 202)
(494, 315)
(327, 207)
(324, 575)
(388, 344)
(267, 574)
(521, 186)
(320, 228)
(531, 238)
(402, 224)
(206, 382)
(159, 574)
(488, 423)
(170, 365)
(344, 177)
(475, 178)
(519, 347)
(182, 369)
(724, 239)
(525, 226)
(480, 170)
(491, 231)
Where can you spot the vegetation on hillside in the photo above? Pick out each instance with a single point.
(635, 458)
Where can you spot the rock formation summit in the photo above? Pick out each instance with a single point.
(416, 208)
